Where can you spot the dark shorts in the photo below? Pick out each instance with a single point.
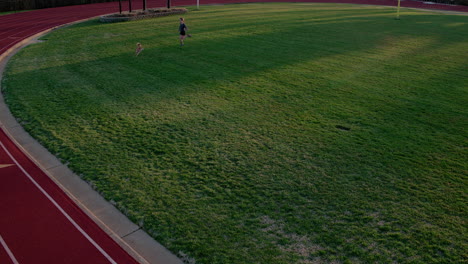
(182, 33)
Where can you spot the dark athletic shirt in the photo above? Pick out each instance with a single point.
(182, 27)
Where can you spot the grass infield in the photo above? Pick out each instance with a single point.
(280, 133)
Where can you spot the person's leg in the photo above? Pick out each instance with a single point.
(182, 37)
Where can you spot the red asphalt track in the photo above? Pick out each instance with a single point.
(39, 223)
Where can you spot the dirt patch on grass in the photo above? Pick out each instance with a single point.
(299, 245)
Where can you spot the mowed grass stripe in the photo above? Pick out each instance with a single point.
(280, 133)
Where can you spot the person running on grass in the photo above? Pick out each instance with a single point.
(138, 49)
(182, 30)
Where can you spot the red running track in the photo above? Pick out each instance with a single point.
(39, 223)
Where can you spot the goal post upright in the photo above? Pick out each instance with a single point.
(398, 10)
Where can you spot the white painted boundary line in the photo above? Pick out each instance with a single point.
(5, 246)
(59, 208)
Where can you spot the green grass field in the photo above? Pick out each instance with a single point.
(280, 133)
(12, 12)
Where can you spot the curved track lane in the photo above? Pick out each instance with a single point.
(39, 223)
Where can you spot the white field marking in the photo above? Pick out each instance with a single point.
(10, 254)
(60, 208)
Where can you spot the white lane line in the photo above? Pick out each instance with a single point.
(5, 246)
(60, 208)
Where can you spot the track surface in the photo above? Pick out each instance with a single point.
(39, 223)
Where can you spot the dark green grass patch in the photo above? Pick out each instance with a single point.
(12, 12)
(280, 133)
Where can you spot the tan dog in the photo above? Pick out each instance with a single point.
(138, 49)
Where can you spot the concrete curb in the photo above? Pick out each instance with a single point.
(127, 234)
